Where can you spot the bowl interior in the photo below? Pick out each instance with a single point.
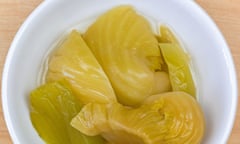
(214, 70)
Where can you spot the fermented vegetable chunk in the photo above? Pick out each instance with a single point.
(178, 63)
(74, 61)
(52, 108)
(111, 85)
(161, 82)
(126, 48)
(169, 118)
(166, 36)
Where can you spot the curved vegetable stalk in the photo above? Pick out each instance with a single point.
(164, 118)
(74, 61)
(52, 108)
(166, 36)
(178, 62)
(126, 48)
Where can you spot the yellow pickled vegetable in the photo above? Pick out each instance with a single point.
(74, 61)
(169, 118)
(161, 82)
(166, 36)
(126, 48)
(177, 61)
(52, 108)
(118, 62)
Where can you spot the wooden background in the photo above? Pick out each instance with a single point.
(226, 13)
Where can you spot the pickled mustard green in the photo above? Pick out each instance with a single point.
(74, 61)
(169, 118)
(177, 61)
(52, 108)
(118, 83)
(125, 46)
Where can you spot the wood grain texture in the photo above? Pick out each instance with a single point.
(12, 15)
(226, 14)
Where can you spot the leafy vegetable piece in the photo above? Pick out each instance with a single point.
(167, 118)
(177, 61)
(126, 48)
(74, 61)
(178, 67)
(52, 108)
(167, 36)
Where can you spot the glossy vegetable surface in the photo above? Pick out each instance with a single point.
(52, 108)
(126, 48)
(119, 84)
(74, 61)
(178, 62)
(169, 118)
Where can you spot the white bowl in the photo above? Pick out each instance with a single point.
(216, 78)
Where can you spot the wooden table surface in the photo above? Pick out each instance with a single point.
(226, 13)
